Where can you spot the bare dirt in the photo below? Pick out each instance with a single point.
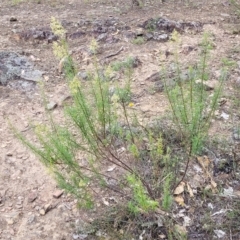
(29, 208)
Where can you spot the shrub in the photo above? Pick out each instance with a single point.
(98, 125)
(192, 106)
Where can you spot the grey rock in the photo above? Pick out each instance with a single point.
(112, 90)
(64, 99)
(31, 219)
(161, 37)
(149, 36)
(51, 105)
(158, 86)
(154, 77)
(80, 236)
(237, 82)
(15, 67)
(102, 37)
(236, 134)
(83, 75)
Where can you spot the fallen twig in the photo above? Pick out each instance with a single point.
(114, 54)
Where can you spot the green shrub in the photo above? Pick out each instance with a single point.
(98, 125)
(100, 133)
(192, 106)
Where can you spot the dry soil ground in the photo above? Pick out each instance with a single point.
(26, 188)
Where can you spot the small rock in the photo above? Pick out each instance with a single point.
(13, 19)
(102, 37)
(186, 49)
(219, 233)
(47, 207)
(31, 219)
(237, 82)
(207, 86)
(64, 98)
(228, 192)
(80, 236)
(83, 75)
(42, 212)
(158, 86)
(136, 62)
(149, 36)
(32, 197)
(225, 116)
(225, 15)
(154, 77)
(57, 193)
(10, 221)
(37, 208)
(236, 134)
(161, 37)
(51, 105)
(139, 32)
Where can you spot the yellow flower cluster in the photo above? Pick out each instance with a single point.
(41, 129)
(59, 50)
(93, 46)
(74, 85)
(57, 28)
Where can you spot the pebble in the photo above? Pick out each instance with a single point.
(32, 197)
(51, 105)
(236, 134)
(48, 207)
(83, 75)
(57, 193)
(64, 98)
(10, 221)
(238, 82)
(13, 19)
(31, 219)
(42, 212)
(225, 15)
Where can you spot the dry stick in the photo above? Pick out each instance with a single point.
(186, 168)
(114, 54)
(109, 187)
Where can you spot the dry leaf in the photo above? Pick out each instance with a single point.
(179, 189)
(190, 191)
(179, 200)
(204, 162)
